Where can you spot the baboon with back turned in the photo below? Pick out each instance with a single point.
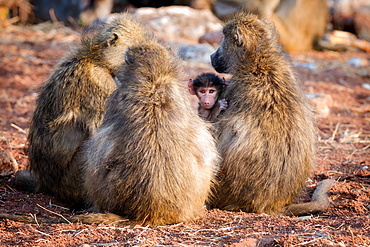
(153, 159)
(71, 106)
(266, 138)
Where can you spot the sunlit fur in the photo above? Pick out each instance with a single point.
(153, 160)
(71, 105)
(266, 137)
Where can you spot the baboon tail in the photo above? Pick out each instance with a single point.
(319, 202)
(25, 180)
(93, 218)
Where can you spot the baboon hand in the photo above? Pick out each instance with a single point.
(223, 104)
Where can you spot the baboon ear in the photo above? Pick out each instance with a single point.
(238, 36)
(113, 39)
(191, 87)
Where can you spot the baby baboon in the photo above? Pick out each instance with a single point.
(266, 138)
(153, 159)
(208, 88)
(71, 105)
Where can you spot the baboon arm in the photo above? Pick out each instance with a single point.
(319, 202)
(214, 113)
(93, 218)
(220, 105)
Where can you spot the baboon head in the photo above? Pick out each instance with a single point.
(149, 61)
(207, 87)
(244, 36)
(107, 40)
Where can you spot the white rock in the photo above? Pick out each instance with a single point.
(357, 62)
(8, 165)
(196, 53)
(180, 24)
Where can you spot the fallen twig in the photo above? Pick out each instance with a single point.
(54, 213)
(18, 128)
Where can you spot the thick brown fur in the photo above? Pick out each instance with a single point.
(71, 106)
(266, 138)
(153, 159)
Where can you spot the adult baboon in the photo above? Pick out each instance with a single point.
(153, 159)
(266, 138)
(71, 105)
(300, 23)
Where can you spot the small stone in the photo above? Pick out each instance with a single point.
(322, 103)
(310, 66)
(358, 62)
(196, 53)
(8, 165)
(267, 240)
(366, 86)
(178, 23)
(212, 38)
(248, 242)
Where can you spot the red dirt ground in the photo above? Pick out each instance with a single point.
(27, 56)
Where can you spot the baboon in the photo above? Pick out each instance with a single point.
(208, 87)
(300, 23)
(153, 159)
(71, 106)
(266, 138)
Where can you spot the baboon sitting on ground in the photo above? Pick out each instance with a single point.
(153, 159)
(71, 106)
(266, 138)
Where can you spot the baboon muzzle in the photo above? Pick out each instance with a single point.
(218, 63)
